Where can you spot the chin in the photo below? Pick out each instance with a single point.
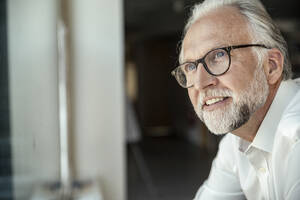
(221, 122)
(219, 130)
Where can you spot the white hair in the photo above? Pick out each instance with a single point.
(262, 28)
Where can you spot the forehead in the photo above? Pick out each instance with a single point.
(222, 27)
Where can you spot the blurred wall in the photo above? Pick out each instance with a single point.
(97, 93)
(98, 107)
(33, 93)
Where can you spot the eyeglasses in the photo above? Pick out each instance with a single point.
(216, 62)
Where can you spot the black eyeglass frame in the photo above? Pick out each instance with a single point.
(202, 60)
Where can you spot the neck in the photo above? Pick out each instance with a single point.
(248, 131)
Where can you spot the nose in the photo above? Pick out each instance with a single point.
(203, 79)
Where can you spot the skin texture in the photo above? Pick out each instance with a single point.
(225, 27)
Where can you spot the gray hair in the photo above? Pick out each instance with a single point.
(262, 27)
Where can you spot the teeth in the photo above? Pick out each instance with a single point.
(215, 100)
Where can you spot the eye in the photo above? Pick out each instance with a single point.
(220, 54)
(189, 67)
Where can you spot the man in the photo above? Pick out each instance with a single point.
(234, 64)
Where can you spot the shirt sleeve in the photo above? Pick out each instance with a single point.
(222, 183)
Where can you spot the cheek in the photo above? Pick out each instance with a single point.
(240, 77)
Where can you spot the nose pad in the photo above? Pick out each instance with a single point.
(203, 79)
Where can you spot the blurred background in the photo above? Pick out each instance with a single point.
(87, 98)
(176, 150)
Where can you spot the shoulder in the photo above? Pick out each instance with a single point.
(287, 140)
(286, 149)
(289, 125)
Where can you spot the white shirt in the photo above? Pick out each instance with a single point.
(269, 167)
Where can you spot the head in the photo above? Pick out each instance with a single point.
(261, 27)
(226, 102)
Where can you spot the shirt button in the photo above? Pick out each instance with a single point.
(262, 170)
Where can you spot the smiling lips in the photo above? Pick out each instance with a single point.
(214, 101)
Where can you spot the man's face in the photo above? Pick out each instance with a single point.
(224, 103)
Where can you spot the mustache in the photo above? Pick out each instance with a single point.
(214, 93)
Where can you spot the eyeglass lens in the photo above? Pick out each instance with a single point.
(217, 62)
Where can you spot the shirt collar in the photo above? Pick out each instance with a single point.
(265, 135)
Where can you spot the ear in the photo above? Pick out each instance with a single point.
(274, 66)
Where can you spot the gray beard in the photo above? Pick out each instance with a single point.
(239, 111)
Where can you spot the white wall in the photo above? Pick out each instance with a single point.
(33, 93)
(98, 89)
(97, 93)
